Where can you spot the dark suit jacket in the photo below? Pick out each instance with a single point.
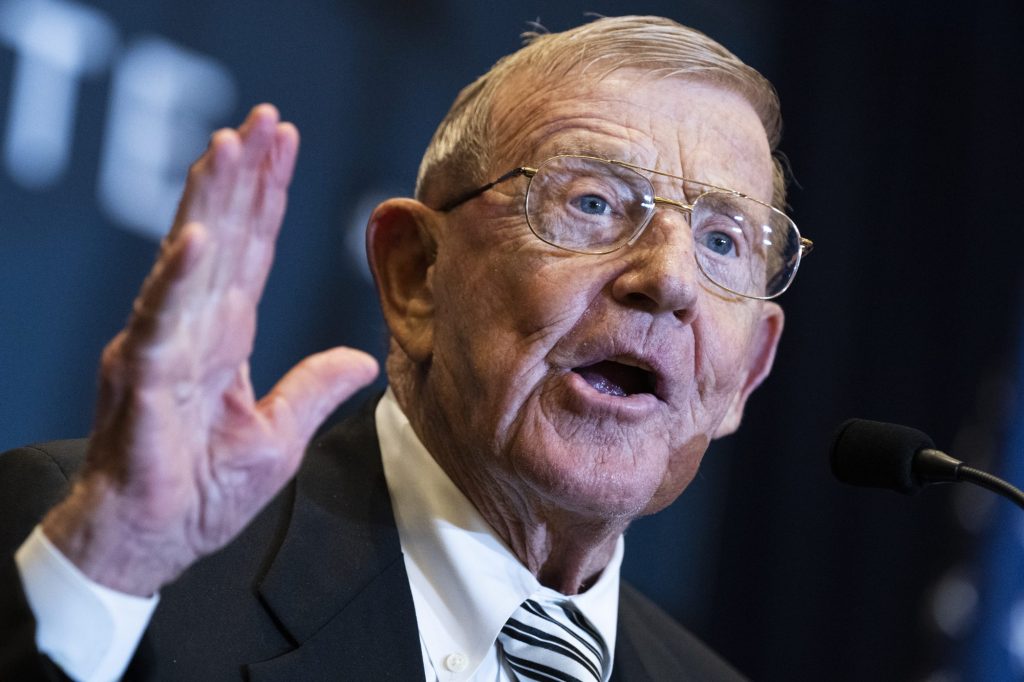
(314, 589)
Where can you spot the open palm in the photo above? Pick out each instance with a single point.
(183, 455)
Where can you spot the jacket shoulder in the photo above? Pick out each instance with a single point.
(32, 480)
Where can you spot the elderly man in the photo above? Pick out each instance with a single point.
(578, 303)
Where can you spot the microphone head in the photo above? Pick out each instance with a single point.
(877, 455)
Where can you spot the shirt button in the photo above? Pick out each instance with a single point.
(456, 662)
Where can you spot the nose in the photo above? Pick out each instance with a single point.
(661, 274)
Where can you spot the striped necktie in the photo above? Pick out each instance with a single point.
(553, 642)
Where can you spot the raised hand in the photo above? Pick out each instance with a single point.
(183, 455)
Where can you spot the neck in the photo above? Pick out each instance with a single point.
(566, 554)
(565, 549)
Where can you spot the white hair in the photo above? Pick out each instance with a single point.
(459, 154)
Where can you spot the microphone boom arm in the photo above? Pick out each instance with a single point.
(990, 482)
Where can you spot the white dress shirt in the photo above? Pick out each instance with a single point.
(465, 581)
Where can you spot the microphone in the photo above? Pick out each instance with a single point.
(880, 455)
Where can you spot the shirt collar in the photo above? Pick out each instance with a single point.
(465, 580)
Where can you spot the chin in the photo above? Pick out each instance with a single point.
(606, 481)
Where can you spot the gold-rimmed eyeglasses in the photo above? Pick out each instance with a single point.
(590, 205)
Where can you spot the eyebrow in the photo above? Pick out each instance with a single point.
(577, 147)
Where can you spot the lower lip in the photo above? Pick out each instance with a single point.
(634, 406)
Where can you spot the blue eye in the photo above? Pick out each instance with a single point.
(720, 243)
(592, 204)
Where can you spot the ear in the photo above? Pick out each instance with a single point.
(401, 248)
(759, 364)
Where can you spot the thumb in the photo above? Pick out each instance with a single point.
(312, 389)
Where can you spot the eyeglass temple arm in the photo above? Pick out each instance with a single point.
(458, 201)
(806, 247)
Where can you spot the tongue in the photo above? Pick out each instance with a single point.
(614, 378)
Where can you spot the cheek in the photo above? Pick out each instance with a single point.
(512, 306)
(721, 359)
(497, 319)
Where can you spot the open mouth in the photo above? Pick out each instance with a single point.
(618, 379)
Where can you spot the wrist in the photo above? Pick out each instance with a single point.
(96, 531)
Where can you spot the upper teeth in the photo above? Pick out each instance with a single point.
(632, 362)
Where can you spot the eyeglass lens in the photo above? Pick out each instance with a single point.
(592, 206)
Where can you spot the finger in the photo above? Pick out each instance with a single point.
(257, 139)
(248, 215)
(166, 293)
(209, 180)
(221, 183)
(257, 132)
(223, 191)
(271, 177)
(313, 389)
(267, 225)
(283, 154)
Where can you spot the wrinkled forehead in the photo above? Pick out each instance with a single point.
(679, 125)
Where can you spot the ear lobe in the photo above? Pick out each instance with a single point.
(759, 364)
(401, 248)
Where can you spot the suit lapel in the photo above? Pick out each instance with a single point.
(629, 665)
(338, 585)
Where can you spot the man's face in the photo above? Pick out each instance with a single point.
(533, 346)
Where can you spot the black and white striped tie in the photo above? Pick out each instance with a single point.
(553, 642)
